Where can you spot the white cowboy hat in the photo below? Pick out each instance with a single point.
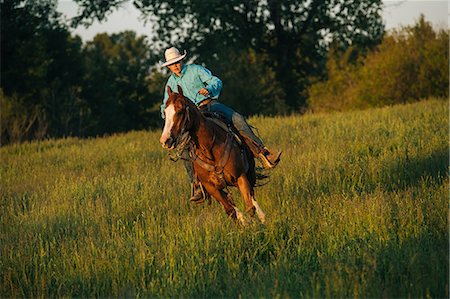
(173, 55)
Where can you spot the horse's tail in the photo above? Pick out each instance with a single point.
(261, 176)
(257, 176)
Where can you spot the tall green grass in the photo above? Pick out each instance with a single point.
(358, 207)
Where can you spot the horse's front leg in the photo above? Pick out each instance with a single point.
(228, 204)
(250, 203)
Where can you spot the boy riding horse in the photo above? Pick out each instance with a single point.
(203, 89)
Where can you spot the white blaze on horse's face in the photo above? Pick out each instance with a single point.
(169, 113)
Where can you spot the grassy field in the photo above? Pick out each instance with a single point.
(357, 208)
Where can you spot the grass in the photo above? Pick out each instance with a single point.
(357, 208)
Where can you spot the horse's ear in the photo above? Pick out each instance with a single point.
(180, 91)
(169, 90)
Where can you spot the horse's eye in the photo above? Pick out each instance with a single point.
(180, 112)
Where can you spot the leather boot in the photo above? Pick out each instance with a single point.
(196, 194)
(268, 158)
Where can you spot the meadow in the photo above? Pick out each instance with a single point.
(358, 207)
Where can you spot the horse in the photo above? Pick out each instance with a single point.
(219, 160)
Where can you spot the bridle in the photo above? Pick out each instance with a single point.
(186, 120)
(183, 139)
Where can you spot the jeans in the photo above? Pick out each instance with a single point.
(236, 119)
(188, 165)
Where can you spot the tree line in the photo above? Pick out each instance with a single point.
(410, 64)
(274, 57)
(53, 85)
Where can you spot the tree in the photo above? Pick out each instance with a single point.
(336, 92)
(41, 71)
(252, 94)
(293, 34)
(116, 83)
(410, 64)
(53, 85)
(23, 51)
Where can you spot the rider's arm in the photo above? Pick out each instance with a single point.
(213, 84)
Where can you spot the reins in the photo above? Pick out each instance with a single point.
(217, 168)
(184, 140)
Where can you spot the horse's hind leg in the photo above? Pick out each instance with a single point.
(259, 211)
(249, 199)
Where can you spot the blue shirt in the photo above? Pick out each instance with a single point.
(193, 78)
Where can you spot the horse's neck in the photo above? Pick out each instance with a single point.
(203, 133)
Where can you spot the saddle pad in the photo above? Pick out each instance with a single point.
(222, 124)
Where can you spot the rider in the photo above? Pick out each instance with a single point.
(202, 88)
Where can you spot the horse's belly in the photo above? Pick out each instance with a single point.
(218, 180)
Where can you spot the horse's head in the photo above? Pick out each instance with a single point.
(176, 118)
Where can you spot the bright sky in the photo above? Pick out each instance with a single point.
(396, 13)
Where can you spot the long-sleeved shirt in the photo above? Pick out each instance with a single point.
(193, 78)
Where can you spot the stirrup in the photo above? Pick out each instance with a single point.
(267, 163)
(198, 195)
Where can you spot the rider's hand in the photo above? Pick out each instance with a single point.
(204, 92)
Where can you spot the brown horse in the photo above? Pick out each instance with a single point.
(219, 161)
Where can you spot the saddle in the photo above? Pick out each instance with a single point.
(222, 122)
(243, 141)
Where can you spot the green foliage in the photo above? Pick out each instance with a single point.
(41, 68)
(20, 122)
(252, 85)
(335, 93)
(55, 86)
(275, 48)
(23, 51)
(293, 34)
(93, 9)
(409, 65)
(116, 83)
(357, 208)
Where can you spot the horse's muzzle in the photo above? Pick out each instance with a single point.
(169, 143)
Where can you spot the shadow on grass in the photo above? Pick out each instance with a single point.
(400, 174)
(409, 172)
(416, 267)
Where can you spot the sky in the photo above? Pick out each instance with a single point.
(395, 14)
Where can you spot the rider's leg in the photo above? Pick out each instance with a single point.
(270, 159)
(196, 191)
